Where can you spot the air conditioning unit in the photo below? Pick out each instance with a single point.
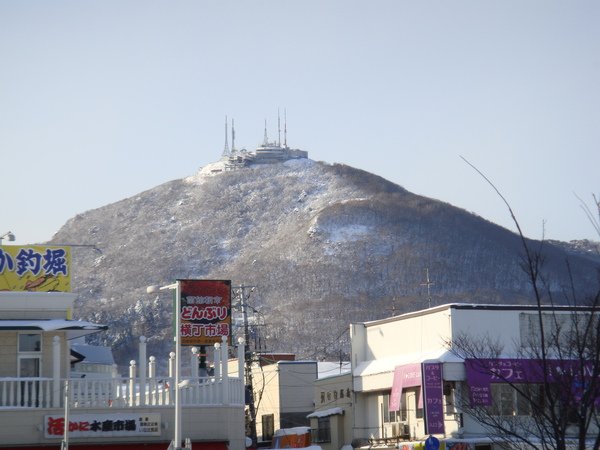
(405, 431)
(401, 429)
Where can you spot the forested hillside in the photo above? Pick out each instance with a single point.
(324, 245)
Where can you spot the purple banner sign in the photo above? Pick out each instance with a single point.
(433, 392)
(482, 372)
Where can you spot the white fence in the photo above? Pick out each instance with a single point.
(118, 392)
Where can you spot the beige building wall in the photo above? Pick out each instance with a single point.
(283, 391)
(265, 381)
(9, 353)
(331, 393)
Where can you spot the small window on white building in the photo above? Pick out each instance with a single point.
(30, 355)
(509, 400)
(30, 342)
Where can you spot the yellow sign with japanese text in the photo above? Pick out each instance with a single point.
(35, 268)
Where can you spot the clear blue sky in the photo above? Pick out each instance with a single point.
(101, 100)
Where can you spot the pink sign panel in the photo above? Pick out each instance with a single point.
(404, 377)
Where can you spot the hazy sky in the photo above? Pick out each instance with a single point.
(101, 100)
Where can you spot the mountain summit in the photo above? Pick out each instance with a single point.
(323, 245)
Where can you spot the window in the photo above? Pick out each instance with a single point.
(323, 432)
(396, 416)
(268, 427)
(30, 342)
(29, 362)
(30, 355)
(508, 401)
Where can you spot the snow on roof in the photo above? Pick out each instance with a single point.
(294, 430)
(383, 365)
(94, 354)
(326, 413)
(332, 369)
(74, 328)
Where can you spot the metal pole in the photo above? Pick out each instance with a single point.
(177, 443)
(65, 442)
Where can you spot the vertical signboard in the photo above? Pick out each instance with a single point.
(35, 268)
(433, 392)
(205, 311)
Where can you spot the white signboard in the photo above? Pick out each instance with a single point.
(103, 425)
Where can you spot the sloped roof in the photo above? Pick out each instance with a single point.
(326, 413)
(94, 354)
(73, 328)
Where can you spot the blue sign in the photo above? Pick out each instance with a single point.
(432, 443)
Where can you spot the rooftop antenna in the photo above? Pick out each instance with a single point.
(278, 129)
(266, 140)
(226, 149)
(232, 136)
(428, 283)
(285, 128)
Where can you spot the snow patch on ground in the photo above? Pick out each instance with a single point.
(346, 233)
(299, 163)
(206, 171)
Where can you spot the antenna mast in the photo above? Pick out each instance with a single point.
(285, 128)
(428, 283)
(266, 140)
(226, 149)
(278, 129)
(232, 136)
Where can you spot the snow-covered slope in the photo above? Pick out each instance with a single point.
(325, 245)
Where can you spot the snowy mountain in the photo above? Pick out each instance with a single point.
(324, 245)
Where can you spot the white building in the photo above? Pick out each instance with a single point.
(407, 382)
(108, 411)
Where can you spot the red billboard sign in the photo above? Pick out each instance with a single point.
(205, 312)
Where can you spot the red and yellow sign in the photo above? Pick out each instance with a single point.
(205, 311)
(35, 268)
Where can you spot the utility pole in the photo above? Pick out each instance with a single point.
(241, 292)
(428, 283)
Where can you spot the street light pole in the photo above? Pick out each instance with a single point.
(177, 288)
(9, 236)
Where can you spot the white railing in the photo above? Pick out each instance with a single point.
(26, 392)
(118, 392)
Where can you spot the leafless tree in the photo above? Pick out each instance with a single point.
(558, 404)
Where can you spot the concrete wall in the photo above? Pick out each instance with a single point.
(296, 384)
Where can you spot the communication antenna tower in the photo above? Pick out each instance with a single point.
(278, 129)
(226, 149)
(285, 128)
(232, 136)
(266, 140)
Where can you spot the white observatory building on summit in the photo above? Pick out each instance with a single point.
(269, 152)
